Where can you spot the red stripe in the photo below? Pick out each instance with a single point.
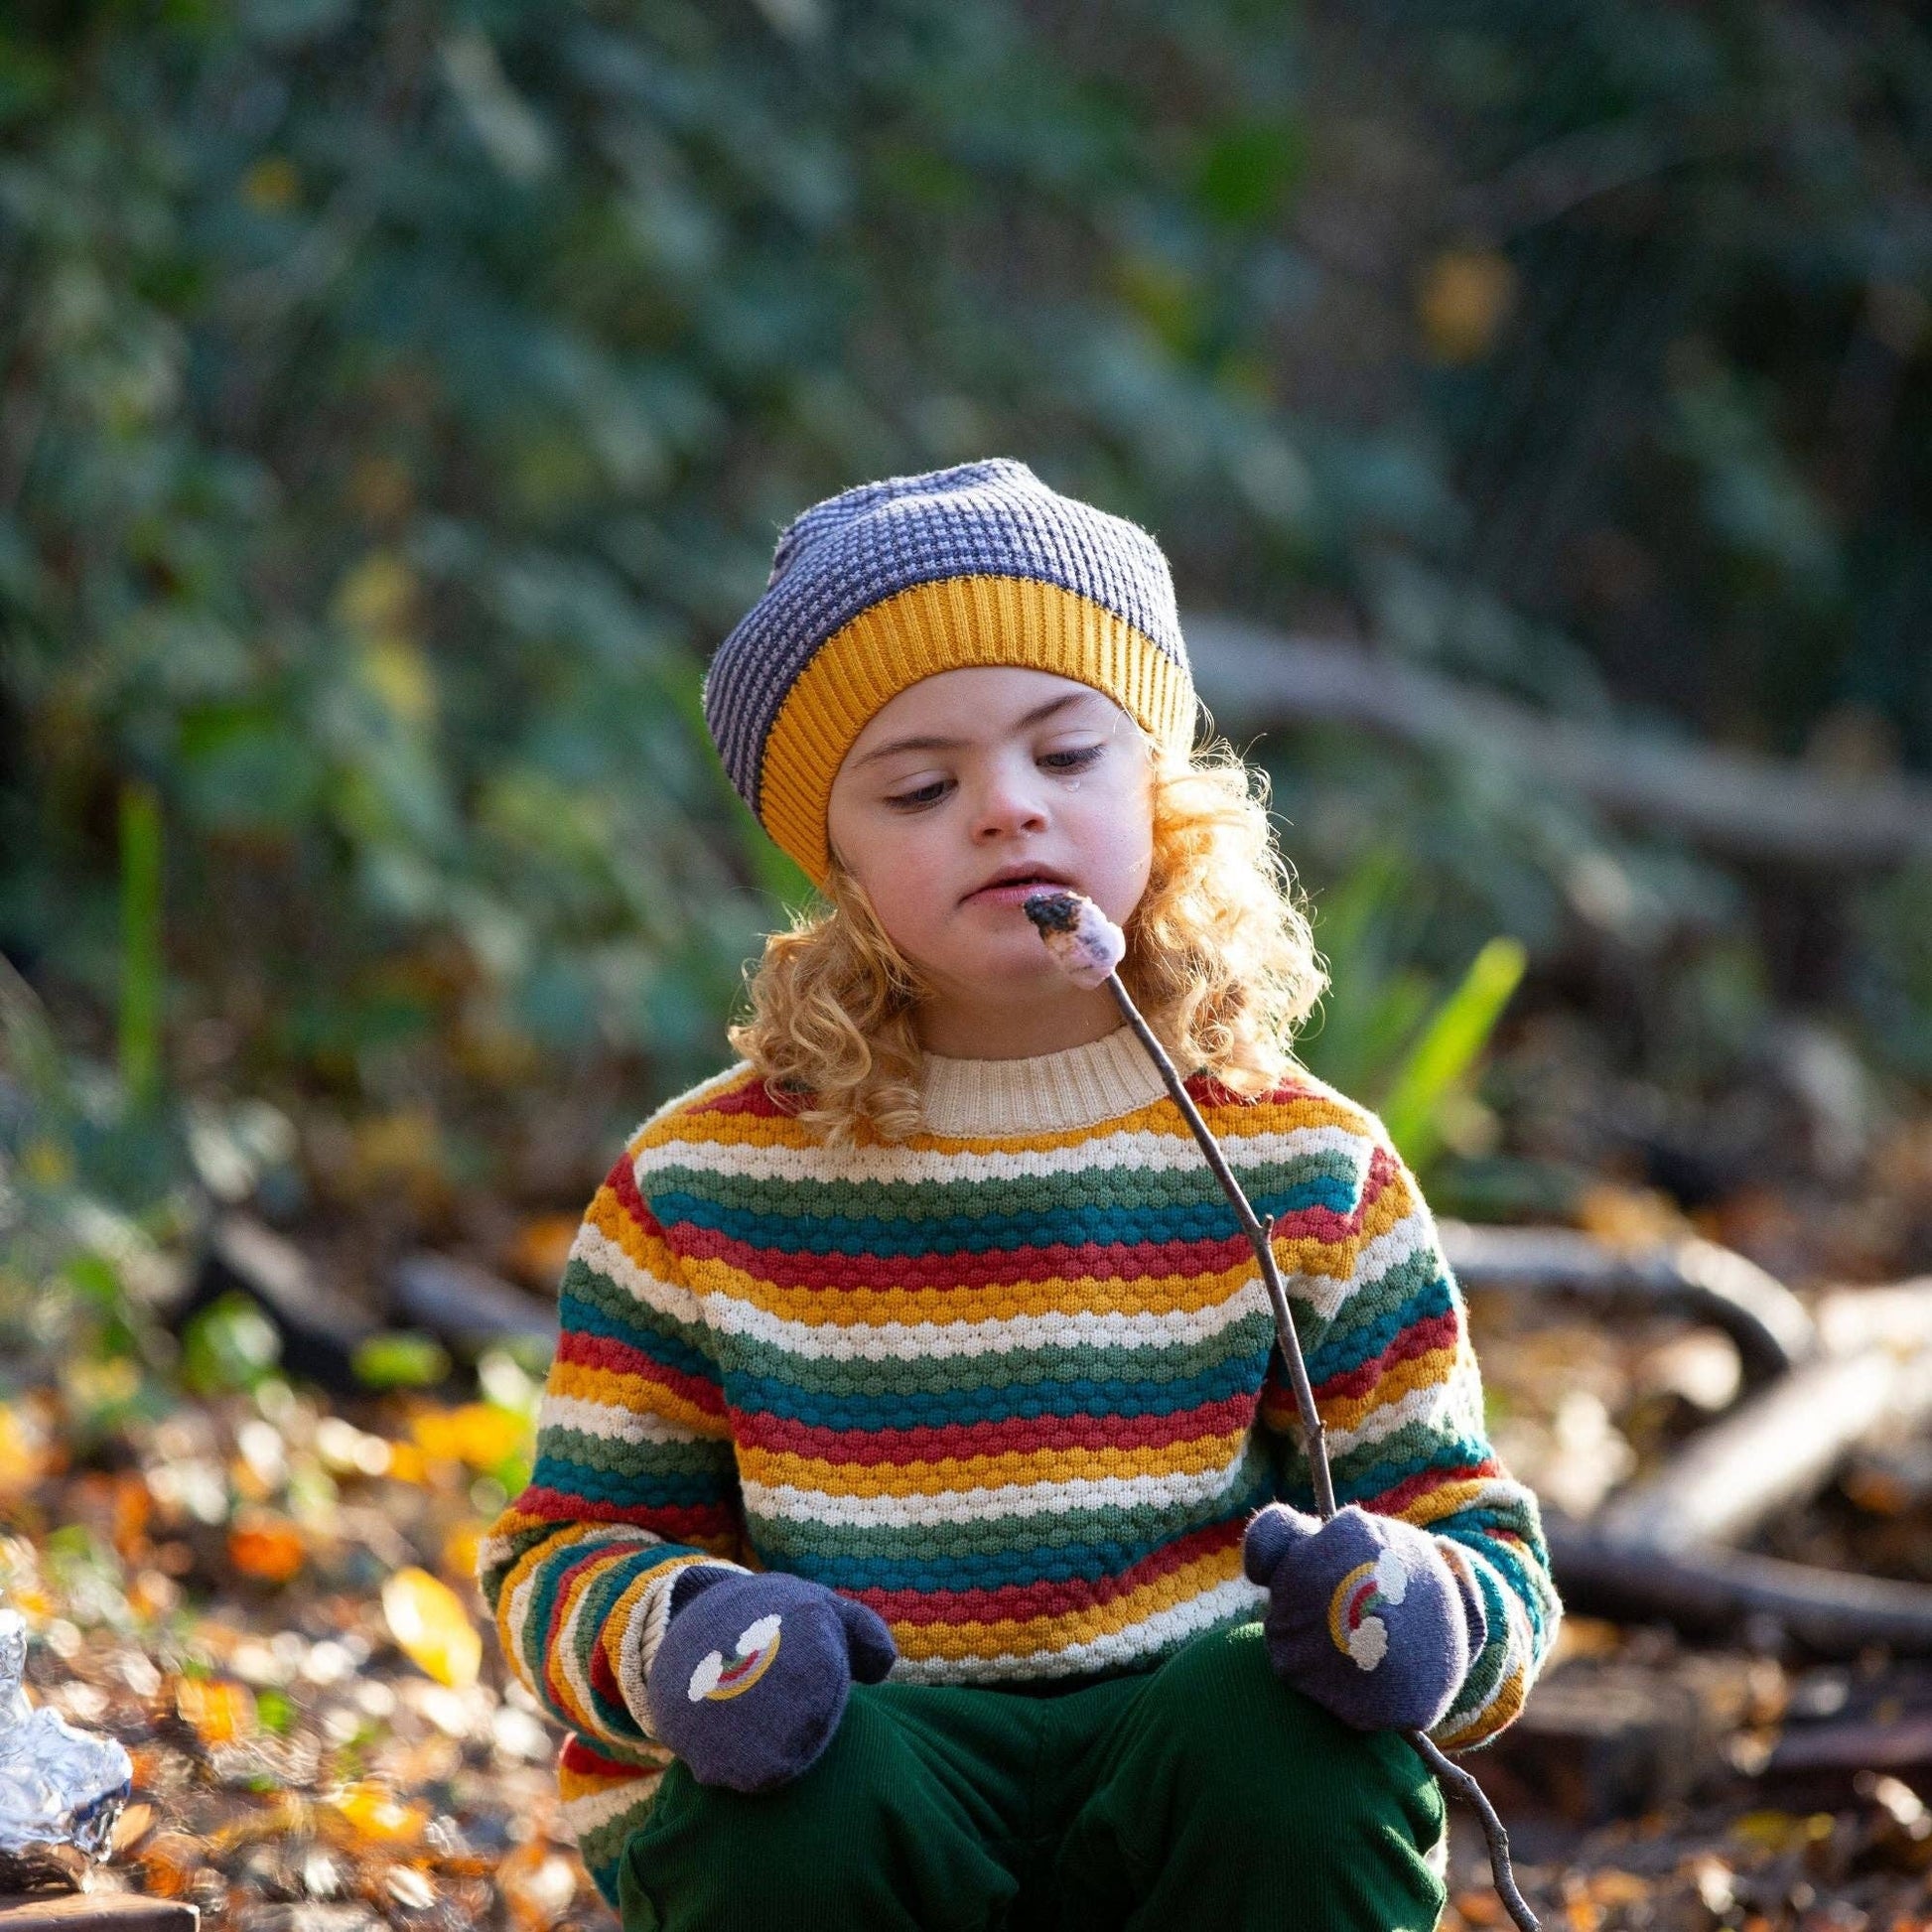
(603, 1680)
(1019, 1602)
(684, 1523)
(1125, 1261)
(983, 1268)
(622, 1182)
(751, 1098)
(1436, 1331)
(578, 1756)
(959, 1440)
(1392, 1502)
(620, 1358)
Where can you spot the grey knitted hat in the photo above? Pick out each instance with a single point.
(881, 586)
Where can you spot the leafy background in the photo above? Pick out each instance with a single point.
(399, 402)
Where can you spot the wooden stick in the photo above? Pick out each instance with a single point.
(1315, 1437)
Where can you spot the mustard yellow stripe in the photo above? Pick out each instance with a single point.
(1418, 1371)
(1435, 1504)
(574, 1783)
(1501, 1709)
(643, 1246)
(639, 1393)
(839, 1308)
(702, 1126)
(1195, 1456)
(959, 1642)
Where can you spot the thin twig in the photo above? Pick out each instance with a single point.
(1260, 1233)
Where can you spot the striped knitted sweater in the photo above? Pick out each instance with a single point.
(1009, 1382)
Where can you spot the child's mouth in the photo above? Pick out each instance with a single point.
(1010, 892)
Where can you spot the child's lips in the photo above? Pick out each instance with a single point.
(1012, 891)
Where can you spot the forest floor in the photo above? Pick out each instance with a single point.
(267, 1596)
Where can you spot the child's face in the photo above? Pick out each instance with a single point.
(1011, 768)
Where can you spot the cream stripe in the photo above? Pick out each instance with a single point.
(611, 1423)
(595, 1809)
(1154, 1633)
(1432, 1399)
(667, 1299)
(884, 1342)
(1130, 1149)
(1409, 1236)
(791, 1503)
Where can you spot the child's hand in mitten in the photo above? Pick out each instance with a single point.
(1364, 1615)
(750, 1676)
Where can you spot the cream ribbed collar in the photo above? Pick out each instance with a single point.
(1044, 1094)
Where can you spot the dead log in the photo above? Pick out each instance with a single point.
(96, 1912)
(1901, 1743)
(1597, 1743)
(1776, 1449)
(1897, 1315)
(320, 1328)
(467, 1306)
(1735, 802)
(1696, 1278)
(1711, 1591)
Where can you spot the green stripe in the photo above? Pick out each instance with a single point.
(708, 1457)
(609, 1298)
(948, 1374)
(939, 1199)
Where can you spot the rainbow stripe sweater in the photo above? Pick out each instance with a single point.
(1011, 1382)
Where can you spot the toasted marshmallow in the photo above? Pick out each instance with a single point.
(1082, 939)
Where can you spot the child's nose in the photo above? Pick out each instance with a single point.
(1008, 800)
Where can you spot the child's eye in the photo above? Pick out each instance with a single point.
(1071, 761)
(925, 795)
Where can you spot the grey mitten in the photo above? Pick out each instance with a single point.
(1364, 1615)
(752, 1673)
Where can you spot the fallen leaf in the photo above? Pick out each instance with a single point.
(430, 1624)
(131, 1827)
(267, 1548)
(372, 1811)
(476, 1433)
(216, 1711)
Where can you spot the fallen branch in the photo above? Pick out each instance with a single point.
(1713, 1592)
(1736, 802)
(1697, 1278)
(1776, 1449)
(467, 1306)
(1895, 1317)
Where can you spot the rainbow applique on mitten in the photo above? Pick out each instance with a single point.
(1364, 1615)
(751, 1678)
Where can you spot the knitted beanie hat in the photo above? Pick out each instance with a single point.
(879, 587)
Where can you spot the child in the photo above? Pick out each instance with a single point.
(916, 1404)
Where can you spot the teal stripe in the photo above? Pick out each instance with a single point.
(757, 1362)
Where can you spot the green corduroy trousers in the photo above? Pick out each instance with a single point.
(1202, 1793)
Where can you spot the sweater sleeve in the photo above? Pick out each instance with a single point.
(1386, 1335)
(634, 1478)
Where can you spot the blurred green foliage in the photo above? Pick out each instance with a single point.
(401, 400)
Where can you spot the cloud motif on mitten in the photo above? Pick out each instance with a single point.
(751, 1675)
(1364, 1615)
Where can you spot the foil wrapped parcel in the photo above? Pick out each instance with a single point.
(57, 1785)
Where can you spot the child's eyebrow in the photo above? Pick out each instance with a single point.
(930, 744)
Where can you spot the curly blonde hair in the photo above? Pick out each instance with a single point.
(1220, 960)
